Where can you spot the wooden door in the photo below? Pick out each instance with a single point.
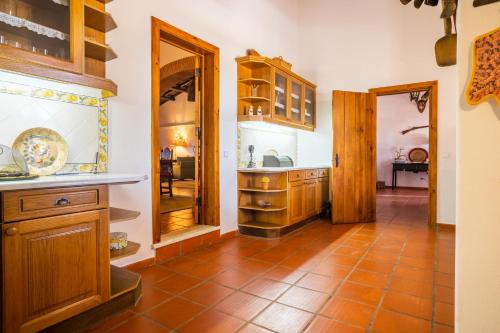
(310, 197)
(197, 142)
(296, 201)
(54, 268)
(354, 157)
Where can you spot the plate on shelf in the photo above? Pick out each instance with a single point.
(294, 110)
(279, 89)
(308, 101)
(279, 105)
(418, 155)
(295, 96)
(44, 150)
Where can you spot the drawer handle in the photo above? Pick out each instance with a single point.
(62, 202)
(11, 231)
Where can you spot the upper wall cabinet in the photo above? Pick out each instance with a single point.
(271, 92)
(57, 39)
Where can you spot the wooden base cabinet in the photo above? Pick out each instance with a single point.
(54, 268)
(296, 201)
(310, 197)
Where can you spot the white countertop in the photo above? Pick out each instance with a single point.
(278, 169)
(71, 180)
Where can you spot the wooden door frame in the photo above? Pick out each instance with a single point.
(432, 86)
(162, 31)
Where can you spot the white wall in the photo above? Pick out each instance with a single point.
(394, 114)
(230, 25)
(478, 226)
(358, 44)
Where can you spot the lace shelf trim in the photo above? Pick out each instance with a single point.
(38, 28)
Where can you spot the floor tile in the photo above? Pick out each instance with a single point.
(393, 322)
(242, 305)
(304, 299)
(334, 271)
(112, 322)
(407, 304)
(266, 288)
(284, 274)
(439, 328)
(376, 266)
(208, 293)
(322, 324)
(212, 322)
(283, 319)
(318, 282)
(175, 312)
(445, 313)
(178, 283)
(233, 278)
(153, 274)
(251, 328)
(445, 294)
(348, 311)
(445, 280)
(360, 293)
(140, 324)
(151, 297)
(411, 287)
(349, 251)
(374, 279)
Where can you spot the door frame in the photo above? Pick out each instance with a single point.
(209, 187)
(432, 86)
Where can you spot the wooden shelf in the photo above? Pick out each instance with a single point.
(98, 19)
(263, 209)
(255, 99)
(105, 1)
(123, 281)
(131, 249)
(262, 190)
(261, 225)
(254, 81)
(121, 215)
(98, 51)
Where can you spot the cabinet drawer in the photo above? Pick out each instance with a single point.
(311, 173)
(29, 204)
(295, 175)
(322, 173)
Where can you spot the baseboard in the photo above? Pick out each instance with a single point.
(139, 265)
(444, 226)
(406, 188)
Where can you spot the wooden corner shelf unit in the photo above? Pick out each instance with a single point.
(295, 197)
(284, 97)
(58, 40)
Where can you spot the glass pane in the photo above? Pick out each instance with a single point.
(38, 26)
(309, 112)
(296, 101)
(280, 92)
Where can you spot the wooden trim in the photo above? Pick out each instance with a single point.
(433, 133)
(140, 265)
(447, 227)
(210, 119)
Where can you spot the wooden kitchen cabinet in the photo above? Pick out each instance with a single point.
(322, 193)
(59, 40)
(296, 205)
(310, 197)
(54, 268)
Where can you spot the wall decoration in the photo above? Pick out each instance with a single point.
(420, 101)
(100, 104)
(484, 81)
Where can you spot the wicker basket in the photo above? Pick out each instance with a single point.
(279, 61)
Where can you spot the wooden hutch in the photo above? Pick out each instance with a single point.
(284, 97)
(62, 40)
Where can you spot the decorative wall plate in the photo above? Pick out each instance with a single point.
(44, 150)
(418, 155)
(484, 81)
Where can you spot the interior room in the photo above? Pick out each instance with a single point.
(249, 166)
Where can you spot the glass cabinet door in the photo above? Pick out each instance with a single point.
(296, 107)
(280, 95)
(310, 107)
(43, 31)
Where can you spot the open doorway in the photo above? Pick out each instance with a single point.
(407, 149)
(180, 153)
(184, 131)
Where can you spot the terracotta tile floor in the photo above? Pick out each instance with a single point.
(396, 275)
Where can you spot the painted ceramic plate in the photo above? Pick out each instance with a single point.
(418, 155)
(43, 149)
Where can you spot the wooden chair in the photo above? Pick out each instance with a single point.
(166, 172)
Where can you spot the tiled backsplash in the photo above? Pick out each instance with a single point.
(78, 114)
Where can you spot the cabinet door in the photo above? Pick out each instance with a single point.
(281, 96)
(310, 197)
(54, 268)
(50, 33)
(310, 107)
(296, 201)
(322, 193)
(296, 107)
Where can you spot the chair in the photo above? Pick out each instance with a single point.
(166, 172)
